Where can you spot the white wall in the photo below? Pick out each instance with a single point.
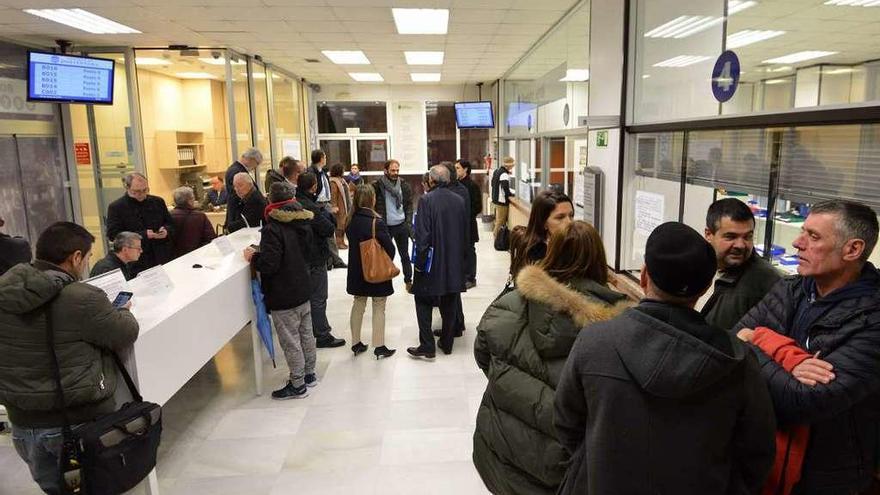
(408, 140)
(607, 159)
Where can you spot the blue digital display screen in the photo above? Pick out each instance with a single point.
(70, 79)
(474, 115)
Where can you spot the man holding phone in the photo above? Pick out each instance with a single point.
(86, 328)
(140, 212)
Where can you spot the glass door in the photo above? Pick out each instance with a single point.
(371, 154)
(337, 150)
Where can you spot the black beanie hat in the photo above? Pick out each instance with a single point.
(680, 262)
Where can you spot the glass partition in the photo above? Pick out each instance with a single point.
(261, 114)
(242, 102)
(286, 107)
(441, 127)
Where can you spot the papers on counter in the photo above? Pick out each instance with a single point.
(223, 244)
(112, 283)
(152, 281)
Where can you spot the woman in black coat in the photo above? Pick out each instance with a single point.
(360, 228)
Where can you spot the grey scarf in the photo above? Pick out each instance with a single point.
(393, 189)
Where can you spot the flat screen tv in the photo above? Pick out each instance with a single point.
(474, 115)
(70, 79)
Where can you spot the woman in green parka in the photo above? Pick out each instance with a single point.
(522, 342)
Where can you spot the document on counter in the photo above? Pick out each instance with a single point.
(224, 245)
(153, 281)
(112, 283)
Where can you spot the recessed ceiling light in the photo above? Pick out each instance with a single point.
(421, 21)
(261, 75)
(152, 61)
(83, 20)
(425, 76)
(793, 58)
(346, 57)
(220, 61)
(194, 75)
(734, 6)
(777, 81)
(682, 61)
(424, 58)
(854, 3)
(749, 36)
(784, 68)
(839, 70)
(646, 76)
(366, 76)
(576, 75)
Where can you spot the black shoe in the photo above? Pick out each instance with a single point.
(438, 333)
(311, 380)
(408, 287)
(445, 350)
(383, 352)
(329, 342)
(358, 348)
(290, 392)
(470, 285)
(339, 264)
(417, 353)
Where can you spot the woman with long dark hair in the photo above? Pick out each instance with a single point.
(522, 343)
(552, 211)
(359, 229)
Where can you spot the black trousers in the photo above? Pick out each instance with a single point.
(400, 234)
(424, 310)
(470, 263)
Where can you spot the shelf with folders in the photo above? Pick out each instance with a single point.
(181, 150)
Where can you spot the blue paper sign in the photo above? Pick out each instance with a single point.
(725, 76)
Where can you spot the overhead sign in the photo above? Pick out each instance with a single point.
(725, 76)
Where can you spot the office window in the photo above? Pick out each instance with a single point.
(440, 118)
(335, 117)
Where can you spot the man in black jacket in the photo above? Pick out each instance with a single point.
(322, 198)
(142, 213)
(463, 172)
(658, 401)
(247, 163)
(13, 250)
(743, 278)
(284, 247)
(440, 237)
(124, 250)
(832, 308)
(246, 210)
(323, 228)
(394, 203)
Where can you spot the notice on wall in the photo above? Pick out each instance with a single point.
(224, 245)
(408, 138)
(649, 211)
(291, 148)
(82, 153)
(579, 177)
(153, 281)
(112, 283)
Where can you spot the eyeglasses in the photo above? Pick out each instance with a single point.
(138, 249)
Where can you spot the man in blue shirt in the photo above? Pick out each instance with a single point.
(394, 203)
(217, 195)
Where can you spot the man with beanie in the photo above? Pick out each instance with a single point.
(285, 243)
(658, 401)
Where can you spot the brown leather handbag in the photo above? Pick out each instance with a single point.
(376, 263)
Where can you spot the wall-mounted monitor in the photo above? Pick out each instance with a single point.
(70, 79)
(474, 115)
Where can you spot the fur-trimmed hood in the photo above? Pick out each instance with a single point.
(289, 214)
(585, 300)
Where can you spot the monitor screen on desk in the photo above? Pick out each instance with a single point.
(474, 115)
(70, 79)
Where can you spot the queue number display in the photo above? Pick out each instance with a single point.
(474, 115)
(70, 79)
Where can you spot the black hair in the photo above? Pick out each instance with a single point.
(731, 208)
(389, 162)
(336, 170)
(466, 165)
(306, 182)
(61, 239)
(317, 155)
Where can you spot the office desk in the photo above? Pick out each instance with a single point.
(181, 329)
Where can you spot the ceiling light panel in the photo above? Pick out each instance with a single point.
(346, 57)
(421, 21)
(145, 61)
(682, 61)
(424, 58)
(750, 36)
(576, 75)
(425, 76)
(777, 81)
(794, 58)
(83, 20)
(194, 75)
(366, 76)
(854, 3)
(220, 61)
(687, 25)
(734, 6)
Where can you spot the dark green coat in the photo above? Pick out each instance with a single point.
(522, 343)
(86, 326)
(738, 291)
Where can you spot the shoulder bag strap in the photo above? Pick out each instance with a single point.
(374, 227)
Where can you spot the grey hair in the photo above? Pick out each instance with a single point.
(439, 174)
(129, 178)
(124, 239)
(857, 221)
(242, 176)
(253, 153)
(183, 195)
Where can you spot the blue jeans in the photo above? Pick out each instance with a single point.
(40, 448)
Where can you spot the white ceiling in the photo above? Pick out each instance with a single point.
(486, 37)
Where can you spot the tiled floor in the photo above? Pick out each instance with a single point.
(391, 426)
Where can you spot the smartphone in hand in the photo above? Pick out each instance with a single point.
(122, 299)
